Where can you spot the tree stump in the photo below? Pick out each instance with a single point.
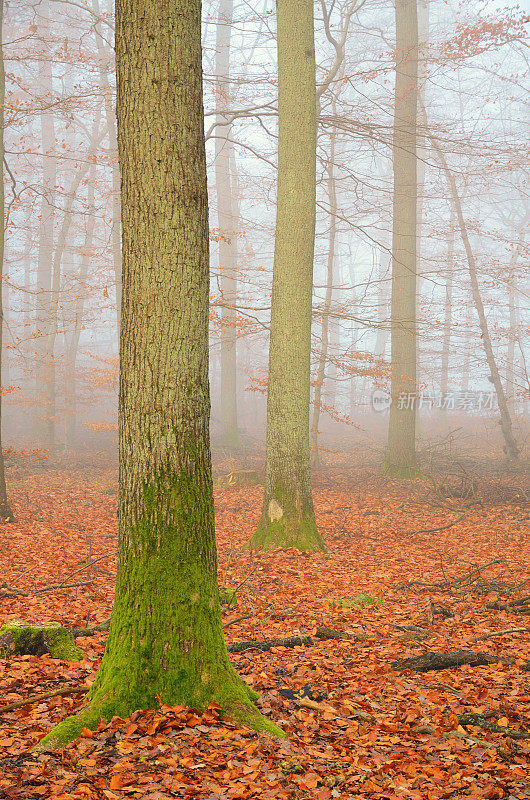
(36, 639)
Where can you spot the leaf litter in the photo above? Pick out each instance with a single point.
(356, 727)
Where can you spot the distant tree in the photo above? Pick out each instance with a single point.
(288, 516)
(166, 638)
(401, 451)
(226, 217)
(510, 445)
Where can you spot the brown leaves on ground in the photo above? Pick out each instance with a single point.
(398, 593)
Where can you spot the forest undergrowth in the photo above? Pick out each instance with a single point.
(412, 568)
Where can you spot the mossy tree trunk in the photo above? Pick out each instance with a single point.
(227, 220)
(401, 449)
(166, 637)
(5, 510)
(288, 517)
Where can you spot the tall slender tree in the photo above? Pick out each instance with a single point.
(166, 637)
(288, 516)
(401, 450)
(226, 217)
(44, 426)
(511, 447)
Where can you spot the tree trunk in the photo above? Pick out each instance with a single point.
(288, 516)
(5, 511)
(421, 157)
(401, 451)
(444, 370)
(70, 424)
(510, 446)
(62, 239)
(514, 321)
(105, 55)
(321, 372)
(44, 430)
(166, 640)
(466, 363)
(383, 306)
(224, 160)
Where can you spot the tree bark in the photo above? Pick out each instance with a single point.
(165, 639)
(401, 451)
(288, 516)
(5, 510)
(226, 217)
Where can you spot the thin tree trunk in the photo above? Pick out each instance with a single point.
(466, 363)
(288, 516)
(45, 423)
(5, 510)
(510, 446)
(62, 239)
(224, 160)
(446, 346)
(421, 148)
(73, 343)
(27, 268)
(513, 311)
(322, 361)
(401, 451)
(165, 642)
(383, 306)
(105, 56)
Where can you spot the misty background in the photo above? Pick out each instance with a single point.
(61, 284)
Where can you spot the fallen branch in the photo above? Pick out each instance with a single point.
(502, 633)
(288, 641)
(357, 713)
(86, 566)
(36, 698)
(480, 721)
(502, 751)
(91, 629)
(236, 619)
(435, 530)
(510, 605)
(434, 661)
(44, 590)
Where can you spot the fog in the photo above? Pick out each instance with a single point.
(62, 243)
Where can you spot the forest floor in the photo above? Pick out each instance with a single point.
(411, 568)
